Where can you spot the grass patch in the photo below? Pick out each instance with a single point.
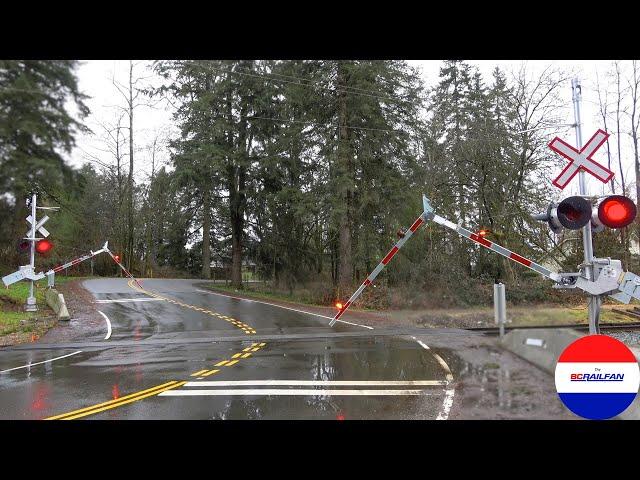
(561, 315)
(14, 321)
(263, 291)
(542, 314)
(11, 322)
(18, 292)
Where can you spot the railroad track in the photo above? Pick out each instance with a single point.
(635, 313)
(603, 326)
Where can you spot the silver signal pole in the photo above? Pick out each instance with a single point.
(31, 306)
(587, 241)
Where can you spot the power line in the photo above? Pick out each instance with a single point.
(320, 124)
(343, 86)
(339, 88)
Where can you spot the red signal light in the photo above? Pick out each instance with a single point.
(43, 246)
(617, 211)
(116, 258)
(24, 246)
(339, 305)
(483, 232)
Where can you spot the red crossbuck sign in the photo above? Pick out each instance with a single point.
(581, 159)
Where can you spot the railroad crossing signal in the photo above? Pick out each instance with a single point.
(32, 244)
(581, 159)
(573, 213)
(608, 280)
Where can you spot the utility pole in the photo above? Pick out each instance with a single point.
(587, 241)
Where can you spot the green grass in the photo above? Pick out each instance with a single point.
(265, 293)
(13, 318)
(11, 322)
(19, 292)
(517, 315)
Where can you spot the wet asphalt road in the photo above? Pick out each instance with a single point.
(178, 352)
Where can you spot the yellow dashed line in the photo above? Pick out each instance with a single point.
(210, 373)
(262, 344)
(255, 349)
(243, 326)
(232, 362)
(223, 362)
(199, 372)
(245, 355)
(236, 355)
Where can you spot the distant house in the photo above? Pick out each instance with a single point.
(222, 269)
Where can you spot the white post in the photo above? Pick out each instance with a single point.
(31, 306)
(587, 241)
(499, 306)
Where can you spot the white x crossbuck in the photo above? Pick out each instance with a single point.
(581, 159)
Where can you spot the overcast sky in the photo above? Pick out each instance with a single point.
(95, 79)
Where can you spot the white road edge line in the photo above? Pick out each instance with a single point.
(291, 392)
(124, 300)
(449, 392)
(108, 325)
(38, 363)
(355, 383)
(286, 308)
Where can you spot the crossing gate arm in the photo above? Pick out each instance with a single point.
(78, 260)
(126, 272)
(505, 252)
(387, 258)
(429, 215)
(75, 261)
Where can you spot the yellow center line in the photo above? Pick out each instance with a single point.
(135, 399)
(243, 326)
(111, 402)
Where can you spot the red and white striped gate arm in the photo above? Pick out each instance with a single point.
(505, 252)
(78, 260)
(427, 215)
(126, 272)
(372, 276)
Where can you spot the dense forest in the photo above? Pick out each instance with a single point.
(304, 171)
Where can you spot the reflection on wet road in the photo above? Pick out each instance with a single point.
(144, 371)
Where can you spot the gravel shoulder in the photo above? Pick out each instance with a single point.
(85, 320)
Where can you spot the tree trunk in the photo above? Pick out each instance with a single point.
(237, 201)
(634, 132)
(130, 179)
(206, 234)
(236, 246)
(345, 270)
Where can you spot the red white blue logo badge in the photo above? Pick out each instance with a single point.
(597, 377)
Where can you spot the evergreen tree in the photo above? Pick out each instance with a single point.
(36, 130)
